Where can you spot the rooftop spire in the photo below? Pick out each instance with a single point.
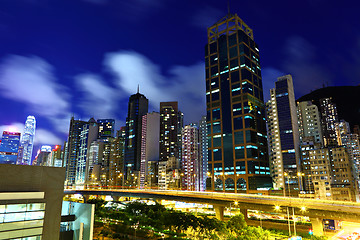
(138, 88)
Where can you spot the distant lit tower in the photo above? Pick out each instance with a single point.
(203, 153)
(238, 159)
(191, 157)
(9, 147)
(138, 107)
(329, 118)
(42, 156)
(283, 134)
(27, 140)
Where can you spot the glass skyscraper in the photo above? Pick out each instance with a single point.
(27, 141)
(138, 107)
(238, 159)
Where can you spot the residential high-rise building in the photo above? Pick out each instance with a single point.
(106, 128)
(116, 162)
(238, 159)
(171, 122)
(203, 153)
(309, 122)
(149, 148)
(329, 118)
(138, 107)
(27, 141)
(191, 165)
(9, 147)
(73, 150)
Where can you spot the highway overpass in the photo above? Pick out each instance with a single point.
(314, 208)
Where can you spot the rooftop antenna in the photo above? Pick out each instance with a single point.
(138, 88)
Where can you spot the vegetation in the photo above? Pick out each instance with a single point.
(157, 222)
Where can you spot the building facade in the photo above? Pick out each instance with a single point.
(149, 148)
(191, 165)
(138, 107)
(238, 159)
(9, 147)
(283, 135)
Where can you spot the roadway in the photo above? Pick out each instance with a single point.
(314, 208)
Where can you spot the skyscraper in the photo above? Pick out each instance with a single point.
(283, 134)
(191, 157)
(73, 150)
(203, 153)
(171, 122)
(238, 158)
(27, 141)
(9, 147)
(329, 118)
(149, 148)
(138, 107)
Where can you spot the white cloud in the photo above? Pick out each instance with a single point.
(99, 99)
(14, 127)
(45, 137)
(301, 62)
(185, 84)
(31, 80)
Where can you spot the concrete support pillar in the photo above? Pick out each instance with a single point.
(244, 212)
(219, 212)
(86, 198)
(317, 226)
(115, 198)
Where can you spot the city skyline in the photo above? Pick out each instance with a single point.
(86, 67)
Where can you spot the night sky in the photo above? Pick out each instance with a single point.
(60, 58)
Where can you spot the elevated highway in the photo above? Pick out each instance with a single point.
(314, 208)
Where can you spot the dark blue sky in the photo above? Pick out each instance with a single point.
(86, 57)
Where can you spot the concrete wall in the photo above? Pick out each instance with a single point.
(23, 178)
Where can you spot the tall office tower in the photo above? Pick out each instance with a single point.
(342, 128)
(106, 128)
(73, 150)
(171, 122)
(203, 153)
(105, 163)
(191, 166)
(235, 109)
(138, 107)
(283, 134)
(329, 118)
(27, 140)
(309, 122)
(116, 163)
(149, 148)
(9, 147)
(89, 133)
